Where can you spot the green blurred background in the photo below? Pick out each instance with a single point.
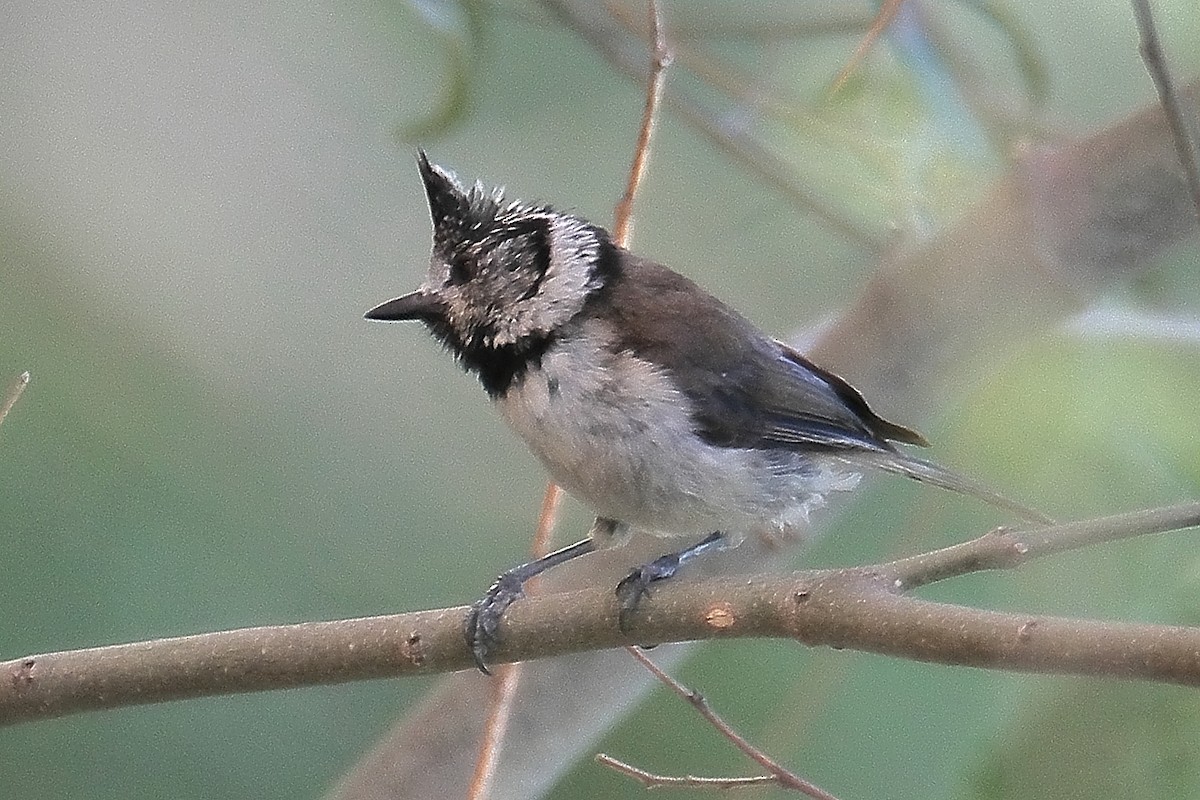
(198, 203)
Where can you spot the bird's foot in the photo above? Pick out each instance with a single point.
(636, 585)
(482, 627)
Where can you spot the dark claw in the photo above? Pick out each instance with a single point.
(636, 585)
(482, 627)
(483, 622)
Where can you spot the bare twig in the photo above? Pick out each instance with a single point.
(501, 704)
(1156, 65)
(591, 23)
(543, 535)
(1008, 548)
(1021, 41)
(660, 59)
(508, 676)
(653, 781)
(883, 18)
(15, 390)
(862, 609)
(834, 20)
(727, 77)
(785, 777)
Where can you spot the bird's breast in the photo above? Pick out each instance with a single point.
(614, 430)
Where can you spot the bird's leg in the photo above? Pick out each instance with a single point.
(636, 584)
(483, 621)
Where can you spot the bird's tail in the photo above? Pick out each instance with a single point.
(928, 472)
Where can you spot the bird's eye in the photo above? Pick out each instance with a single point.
(458, 273)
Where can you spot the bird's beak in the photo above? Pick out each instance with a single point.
(415, 305)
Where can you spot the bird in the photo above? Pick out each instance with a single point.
(647, 398)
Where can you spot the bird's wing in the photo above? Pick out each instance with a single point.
(746, 389)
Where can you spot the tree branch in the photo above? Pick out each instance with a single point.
(781, 774)
(862, 609)
(1172, 103)
(650, 780)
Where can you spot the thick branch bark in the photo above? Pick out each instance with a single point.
(862, 609)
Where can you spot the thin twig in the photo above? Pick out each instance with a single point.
(782, 774)
(1006, 548)
(1023, 43)
(835, 21)
(660, 59)
(652, 780)
(588, 21)
(508, 676)
(15, 390)
(1156, 65)
(543, 536)
(883, 18)
(832, 22)
(501, 703)
(750, 94)
(727, 77)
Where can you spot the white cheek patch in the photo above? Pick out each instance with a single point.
(573, 252)
(574, 249)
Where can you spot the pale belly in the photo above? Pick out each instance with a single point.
(615, 433)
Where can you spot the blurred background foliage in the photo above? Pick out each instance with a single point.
(197, 203)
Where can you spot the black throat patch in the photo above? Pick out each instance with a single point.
(500, 367)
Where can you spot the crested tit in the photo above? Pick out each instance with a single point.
(644, 396)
